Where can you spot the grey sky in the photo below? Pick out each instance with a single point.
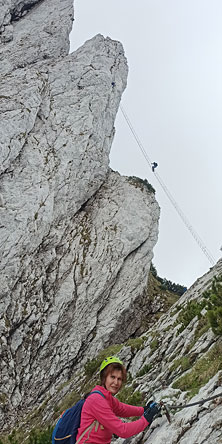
(174, 101)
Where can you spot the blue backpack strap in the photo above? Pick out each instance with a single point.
(97, 391)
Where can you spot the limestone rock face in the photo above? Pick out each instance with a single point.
(34, 30)
(76, 238)
(176, 354)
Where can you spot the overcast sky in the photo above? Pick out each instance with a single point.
(174, 102)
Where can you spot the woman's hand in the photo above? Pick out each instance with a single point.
(147, 406)
(151, 410)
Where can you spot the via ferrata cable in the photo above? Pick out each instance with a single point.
(175, 407)
(169, 195)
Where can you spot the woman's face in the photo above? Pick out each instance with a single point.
(113, 382)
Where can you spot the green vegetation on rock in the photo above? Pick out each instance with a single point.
(3, 398)
(128, 396)
(202, 327)
(67, 402)
(136, 343)
(154, 345)
(203, 370)
(144, 370)
(184, 363)
(189, 312)
(41, 436)
(212, 302)
(214, 305)
(160, 299)
(168, 285)
(140, 183)
(36, 437)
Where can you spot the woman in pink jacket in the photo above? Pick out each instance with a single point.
(100, 412)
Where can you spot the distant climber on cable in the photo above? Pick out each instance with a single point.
(154, 165)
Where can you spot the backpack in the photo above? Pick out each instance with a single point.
(66, 429)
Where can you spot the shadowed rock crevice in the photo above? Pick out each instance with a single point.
(22, 9)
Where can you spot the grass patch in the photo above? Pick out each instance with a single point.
(202, 327)
(203, 370)
(154, 345)
(144, 370)
(189, 312)
(175, 311)
(41, 436)
(128, 396)
(214, 305)
(183, 362)
(141, 183)
(167, 328)
(68, 401)
(136, 343)
(36, 437)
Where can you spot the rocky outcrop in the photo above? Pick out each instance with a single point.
(177, 361)
(32, 31)
(76, 238)
(76, 243)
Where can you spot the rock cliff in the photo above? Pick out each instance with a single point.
(180, 363)
(177, 361)
(76, 238)
(76, 242)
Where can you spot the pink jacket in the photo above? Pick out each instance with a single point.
(106, 412)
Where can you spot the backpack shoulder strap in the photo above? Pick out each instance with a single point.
(89, 429)
(94, 423)
(97, 391)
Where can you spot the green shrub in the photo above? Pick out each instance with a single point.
(183, 362)
(41, 437)
(140, 183)
(203, 370)
(13, 438)
(144, 370)
(10, 439)
(154, 345)
(35, 437)
(214, 305)
(202, 327)
(136, 343)
(215, 319)
(189, 312)
(166, 284)
(128, 396)
(91, 366)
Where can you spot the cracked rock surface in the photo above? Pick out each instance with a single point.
(76, 239)
(199, 424)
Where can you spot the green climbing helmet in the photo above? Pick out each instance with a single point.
(110, 360)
